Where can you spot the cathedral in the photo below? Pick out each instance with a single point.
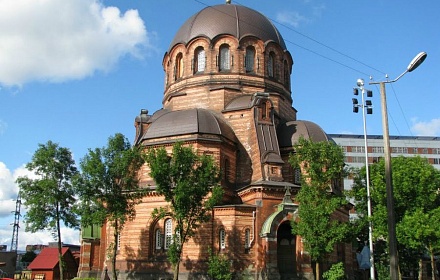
(227, 93)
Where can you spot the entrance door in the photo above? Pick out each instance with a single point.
(286, 250)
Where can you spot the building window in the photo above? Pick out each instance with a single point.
(158, 239)
(436, 160)
(358, 159)
(271, 65)
(424, 150)
(222, 239)
(399, 150)
(168, 233)
(358, 149)
(377, 149)
(265, 111)
(415, 151)
(224, 64)
(178, 70)
(199, 60)
(436, 151)
(247, 238)
(250, 59)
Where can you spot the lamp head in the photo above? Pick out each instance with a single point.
(360, 82)
(417, 60)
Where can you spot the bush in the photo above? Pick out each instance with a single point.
(336, 272)
(219, 267)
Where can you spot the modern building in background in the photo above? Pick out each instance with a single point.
(227, 93)
(354, 149)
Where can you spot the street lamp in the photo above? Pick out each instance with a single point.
(392, 242)
(366, 106)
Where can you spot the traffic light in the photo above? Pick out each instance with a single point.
(355, 105)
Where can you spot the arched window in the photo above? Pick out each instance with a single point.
(265, 111)
(158, 239)
(168, 233)
(179, 66)
(271, 65)
(199, 60)
(286, 74)
(224, 60)
(250, 59)
(247, 238)
(222, 239)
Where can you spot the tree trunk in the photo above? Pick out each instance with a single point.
(115, 250)
(431, 253)
(176, 270)
(60, 247)
(318, 271)
(420, 269)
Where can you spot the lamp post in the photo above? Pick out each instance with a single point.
(392, 242)
(366, 106)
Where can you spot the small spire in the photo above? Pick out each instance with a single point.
(228, 1)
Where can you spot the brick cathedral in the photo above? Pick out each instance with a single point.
(227, 93)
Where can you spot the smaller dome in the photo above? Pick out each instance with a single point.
(166, 123)
(238, 21)
(290, 132)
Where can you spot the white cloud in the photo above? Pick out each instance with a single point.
(55, 41)
(292, 18)
(8, 197)
(68, 236)
(429, 128)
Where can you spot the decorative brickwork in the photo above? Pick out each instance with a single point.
(232, 89)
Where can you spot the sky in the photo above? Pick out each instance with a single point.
(77, 72)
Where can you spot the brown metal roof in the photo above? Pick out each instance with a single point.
(290, 132)
(235, 20)
(166, 123)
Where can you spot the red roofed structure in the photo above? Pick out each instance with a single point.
(46, 265)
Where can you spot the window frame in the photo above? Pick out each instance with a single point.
(249, 59)
(168, 233)
(199, 60)
(222, 239)
(224, 58)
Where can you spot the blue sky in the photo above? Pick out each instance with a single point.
(76, 72)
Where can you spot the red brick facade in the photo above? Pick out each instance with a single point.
(253, 100)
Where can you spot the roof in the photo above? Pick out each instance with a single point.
(290, 132)
(166, 123)
(47, 258)
(238, 21)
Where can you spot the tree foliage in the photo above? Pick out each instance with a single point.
(322, 164)
(219, 266)
(108, 187)
(190, 184)
(50, 197)
(416, 203)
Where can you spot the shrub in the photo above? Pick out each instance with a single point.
(336, 272)
(219, 267)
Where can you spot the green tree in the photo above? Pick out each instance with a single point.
(219, 266)
(421, 231)
(50, 197)
(190, 184)
(28, 257)
(322, 165)
(108, 187)
(416, 204)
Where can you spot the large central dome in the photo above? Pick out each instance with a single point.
(235, 20)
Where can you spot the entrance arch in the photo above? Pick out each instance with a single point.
(286, 250)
